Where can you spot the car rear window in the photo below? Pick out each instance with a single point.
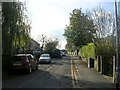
(19, 58)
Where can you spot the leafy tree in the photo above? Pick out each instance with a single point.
(51, 45)
(15, 27)
(69, 47)
(81, 29)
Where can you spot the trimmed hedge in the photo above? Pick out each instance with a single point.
(88, 51)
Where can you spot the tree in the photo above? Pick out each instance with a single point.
(104, 38)
(105, 31)
(48, 44)
(15, 27)
(69, 47)
(104, 22)
(42, 40)
(51, 45)
(81, 29)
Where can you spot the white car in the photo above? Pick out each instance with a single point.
(45, 58)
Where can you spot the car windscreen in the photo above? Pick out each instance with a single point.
(45, 56)
(18, 58)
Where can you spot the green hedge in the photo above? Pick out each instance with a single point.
(88, 51)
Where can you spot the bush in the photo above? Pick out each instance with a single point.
(88, 51)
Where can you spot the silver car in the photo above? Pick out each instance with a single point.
(45, 58)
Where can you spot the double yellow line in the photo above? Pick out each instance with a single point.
(74, 74)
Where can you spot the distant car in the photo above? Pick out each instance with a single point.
(25, 62)
(57, 54)
(63, 53)
(45, 58)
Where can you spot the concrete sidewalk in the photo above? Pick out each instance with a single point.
(89, 77)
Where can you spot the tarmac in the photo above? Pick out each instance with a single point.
(88, 78)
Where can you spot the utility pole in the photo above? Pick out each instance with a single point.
(117, 51)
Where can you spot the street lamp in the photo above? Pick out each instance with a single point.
(117, 54)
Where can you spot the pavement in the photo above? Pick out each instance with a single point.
(89, 77)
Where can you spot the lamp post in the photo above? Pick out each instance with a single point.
(117, 54)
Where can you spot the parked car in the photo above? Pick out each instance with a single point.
(25, 62)
(57, 54)
(45, 58)
(63, 52)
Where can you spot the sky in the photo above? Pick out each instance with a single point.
(49, 17)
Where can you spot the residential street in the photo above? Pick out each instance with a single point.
(61, 73)
(60, 44)
(54, 75)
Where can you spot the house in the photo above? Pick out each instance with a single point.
(33, 45)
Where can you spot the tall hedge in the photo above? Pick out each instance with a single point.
(88, 51)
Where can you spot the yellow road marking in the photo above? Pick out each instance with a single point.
(73, 82)
(74, 74)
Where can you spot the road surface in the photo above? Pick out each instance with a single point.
(61, 73)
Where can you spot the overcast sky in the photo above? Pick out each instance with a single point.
(49, 17)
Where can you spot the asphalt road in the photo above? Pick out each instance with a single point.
(54, 75)
(61, 73)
